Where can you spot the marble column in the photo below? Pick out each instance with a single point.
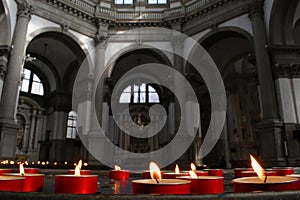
(10, 93)
(270, 128)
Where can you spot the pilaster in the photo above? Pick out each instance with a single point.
(271, 128)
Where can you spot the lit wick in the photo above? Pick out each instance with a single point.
(266, 178)
(157, 181)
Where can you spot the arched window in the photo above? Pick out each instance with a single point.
(31, 83)
(139, 94)
(71, 125)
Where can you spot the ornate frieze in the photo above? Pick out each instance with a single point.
(286, 70)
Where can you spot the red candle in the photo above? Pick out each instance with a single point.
(11, 184)
(4, 171)
(206, 184)
(198, 173)
(253, 173)
(31, 170)
(173, 175)
(273, 183)
(237, 171)
(165, 186)
(82, 172)
(82, 184)
(147, 174)
(283, 171)
(32, 182)
(214, 172)
(118, 173)
(263, 182)
(156, 185)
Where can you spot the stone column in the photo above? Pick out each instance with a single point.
(270, 129)
(97, 140)
(179, 88)
(10, 93)
(4, 54)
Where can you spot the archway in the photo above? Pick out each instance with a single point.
(57, 58)
(232, 51)
(143, 96)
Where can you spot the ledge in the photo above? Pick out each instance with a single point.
(232, 196)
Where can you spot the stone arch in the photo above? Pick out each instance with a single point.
(64, 79)
(282, 21)
(5, 24)
(232, 50)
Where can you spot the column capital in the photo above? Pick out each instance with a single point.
(255, 9)
(24, 9)
(101, 41)
(4, 54)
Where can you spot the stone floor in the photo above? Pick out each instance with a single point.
(110, 189)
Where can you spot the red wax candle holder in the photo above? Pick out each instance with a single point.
(4, 171)
(165, 186)
(11, 183)
(206, 184)
(119, 174)
(237, 171)
(83, 184)
(147, 174)
(283, 171)
(32, 182)
(274, 183)
(82, 172)
(253, 173)
(173, 175)
(31, 170)
(214, 172)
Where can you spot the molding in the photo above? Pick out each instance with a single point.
(213, 15)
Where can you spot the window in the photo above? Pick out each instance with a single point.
(71, 125)
(157, 1)
(31, 83)
(139, 94)
(125, 2)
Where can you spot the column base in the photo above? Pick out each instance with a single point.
(271, 143)
(8, 142)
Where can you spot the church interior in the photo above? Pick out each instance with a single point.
(61, 68)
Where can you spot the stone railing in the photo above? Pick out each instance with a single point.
(82, 6)
(118, 15)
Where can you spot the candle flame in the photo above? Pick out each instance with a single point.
(193, 174)
(257, 168)
(177, 170)
(117, 168)
(78, 168)
(193, 167)
(154, 171)
(22, 171)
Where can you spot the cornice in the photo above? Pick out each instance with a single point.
(212, 16)
(84, 16)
